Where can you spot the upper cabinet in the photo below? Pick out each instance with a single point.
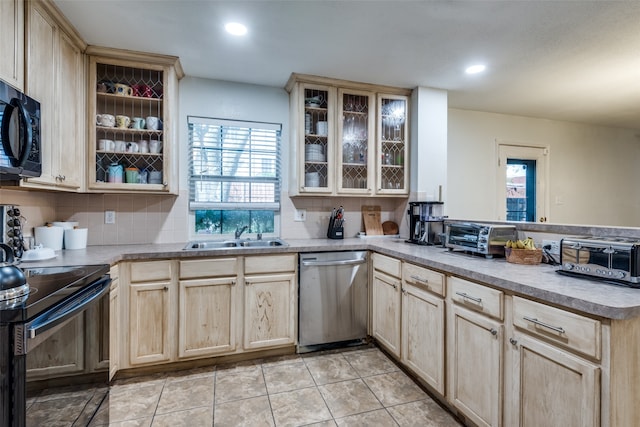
(132, 118)
(55, 76)
(12, 42)
(348, 138)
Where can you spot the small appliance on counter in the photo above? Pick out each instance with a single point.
(615, 259)
(336, 222)
(484, 239)
(426, 222)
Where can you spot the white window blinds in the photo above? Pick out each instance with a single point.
(234, 164)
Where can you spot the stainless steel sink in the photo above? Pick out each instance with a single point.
(231, 244)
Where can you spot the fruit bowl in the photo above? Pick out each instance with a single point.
(523, 256)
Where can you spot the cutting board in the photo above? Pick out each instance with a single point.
(371, 218)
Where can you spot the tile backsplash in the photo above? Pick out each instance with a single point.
(144, 218)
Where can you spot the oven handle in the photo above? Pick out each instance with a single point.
(77, 304)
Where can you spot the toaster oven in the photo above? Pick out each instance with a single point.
(611, 258)
(484, 239)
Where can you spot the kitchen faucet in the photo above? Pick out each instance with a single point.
(239, 231)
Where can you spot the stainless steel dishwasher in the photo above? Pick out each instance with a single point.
(333, 299)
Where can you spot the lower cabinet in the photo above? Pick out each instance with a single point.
(422, 329)
(115, 325)
(61, 354)
(208, 306)
(270, 305)
(475, 366)
(178, 310)
(386, 302)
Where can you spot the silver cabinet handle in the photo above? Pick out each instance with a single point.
(469, 297)
(544, 325)
(420, 279)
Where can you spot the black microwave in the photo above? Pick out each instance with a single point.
(20, 153)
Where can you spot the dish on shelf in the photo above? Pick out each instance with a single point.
(312, 105)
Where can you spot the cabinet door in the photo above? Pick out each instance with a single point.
(12, 42)
(42, 48)
(393, 145)
(475, 366)
(60, 354)
(554, 387)
(206, 318)
(423, 335)
(69, 150)
(270, 310)
(386, 311)
(149, 322)
(316, 155)
(355, 142)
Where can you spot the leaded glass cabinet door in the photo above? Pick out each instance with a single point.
(355, 142)
(317, 152)
(393, 144)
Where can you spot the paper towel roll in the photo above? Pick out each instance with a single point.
(50, 237)
(75, 238)
(65, 224)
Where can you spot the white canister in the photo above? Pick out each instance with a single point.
(50, 237)
(75, 238)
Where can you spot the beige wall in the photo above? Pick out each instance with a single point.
(593, 170)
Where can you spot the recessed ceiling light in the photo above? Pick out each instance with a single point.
(236, 29)
(474, 69)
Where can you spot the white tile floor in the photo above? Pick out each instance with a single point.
(356, 387)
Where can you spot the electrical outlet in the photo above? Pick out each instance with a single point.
(109, 217)
(555, 246)
(300, 215)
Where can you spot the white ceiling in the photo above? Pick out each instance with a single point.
(568, 60)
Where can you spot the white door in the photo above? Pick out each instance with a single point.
(540, 156)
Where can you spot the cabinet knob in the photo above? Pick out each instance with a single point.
(513, 341)
(165, 288)
(493, 331)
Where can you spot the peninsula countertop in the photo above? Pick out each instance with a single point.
(540, 282)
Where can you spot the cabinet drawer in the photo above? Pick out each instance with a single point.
(391, 266)
(150, 270)
(423, 278)
(210, 267)
(565, 329)
(269, 264)
(477, 297)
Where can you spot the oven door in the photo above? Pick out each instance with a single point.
(48, 322)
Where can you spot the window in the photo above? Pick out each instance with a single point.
(234, 175)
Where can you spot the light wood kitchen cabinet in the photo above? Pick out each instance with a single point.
(336, 147)
(151, 322)
(270, 301)
(208, 306)
(475, 336)
(386, 302)
(140, 90)
(551, 386)
(422, 337)
(55, 76)
(12, 42)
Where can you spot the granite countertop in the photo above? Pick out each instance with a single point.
(539, 282)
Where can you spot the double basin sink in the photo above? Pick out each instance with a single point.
(206, 245)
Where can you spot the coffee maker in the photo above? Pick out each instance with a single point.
(426, 223)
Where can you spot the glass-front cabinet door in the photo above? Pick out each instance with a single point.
(317, 151)
(355, 136)
(392, 177)
(131, 110)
